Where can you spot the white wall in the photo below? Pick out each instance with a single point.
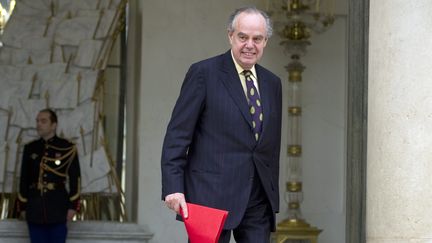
(324, 129)
(178, 33)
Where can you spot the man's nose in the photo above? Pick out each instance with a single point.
(249, 43)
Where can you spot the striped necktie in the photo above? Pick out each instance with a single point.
(255, 107)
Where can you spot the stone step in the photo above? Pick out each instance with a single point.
(15, 231)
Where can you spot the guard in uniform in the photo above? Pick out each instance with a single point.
(50, 182)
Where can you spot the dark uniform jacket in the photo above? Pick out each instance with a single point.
(46, 168)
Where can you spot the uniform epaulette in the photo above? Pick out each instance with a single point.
(68, 140)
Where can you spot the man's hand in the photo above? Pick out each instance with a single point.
(176, 201)
(70, 214)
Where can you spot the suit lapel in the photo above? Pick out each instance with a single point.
(265, 95)
(232, 83)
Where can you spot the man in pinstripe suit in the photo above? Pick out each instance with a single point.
(221, 148)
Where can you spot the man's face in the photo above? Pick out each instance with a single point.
(248, 39)
(44, 126)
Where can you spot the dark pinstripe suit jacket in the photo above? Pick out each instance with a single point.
(209, 151)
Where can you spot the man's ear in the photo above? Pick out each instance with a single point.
(265, 42)
(230, 36)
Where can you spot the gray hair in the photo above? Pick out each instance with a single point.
(233, 17)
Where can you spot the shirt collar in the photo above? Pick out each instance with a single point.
(50, 140)
(240, 69)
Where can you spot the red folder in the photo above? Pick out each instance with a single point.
(204, 224)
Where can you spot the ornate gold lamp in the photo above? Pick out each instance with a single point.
(294, 21)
